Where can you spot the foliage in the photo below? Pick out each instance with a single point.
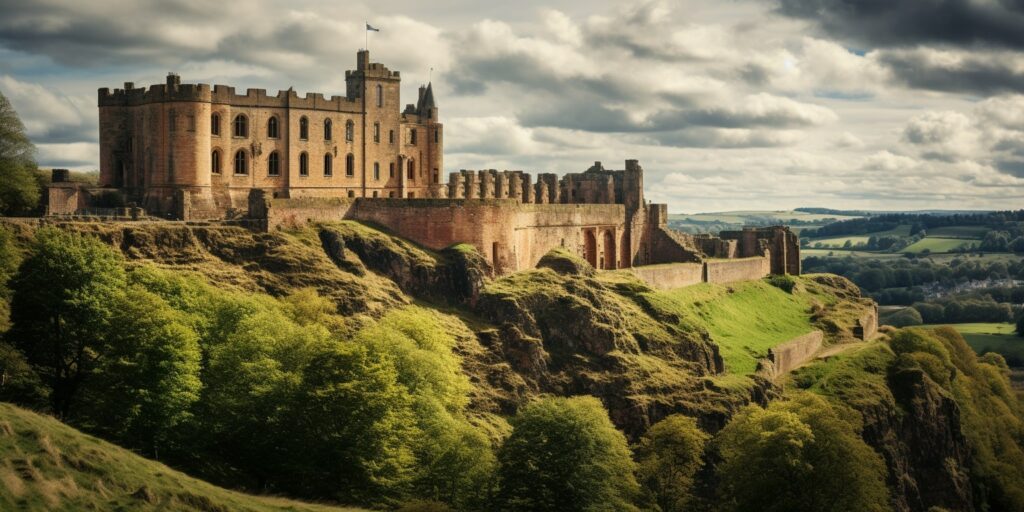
(799, 454)
(1020, 326)
(905, 317)
(669, 456)
(784, 282)
(19, 190)
(564, 454)
(63, 301)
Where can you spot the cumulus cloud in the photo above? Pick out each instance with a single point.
(977, 72)
(49, 116)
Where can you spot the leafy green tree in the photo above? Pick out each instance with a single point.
(564, 454)
(147, 373)
(798, 455)
(19, 189)
(905, 317)
(64, 298)
(669, 456)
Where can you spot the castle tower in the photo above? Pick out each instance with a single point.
(429, 115)
(377, 90)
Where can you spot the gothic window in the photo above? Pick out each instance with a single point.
(376, 170)
(350, 129)
(350, 165)
(327, 129)
(241, 126)
(412, 169)
(215, 124)
(215, 162)
(376, 132)
(273, 164)
(380, 96)
(328, 172)
(272, 131)
(241, 162)
(412, 136)
(304, 128)
(303, 164)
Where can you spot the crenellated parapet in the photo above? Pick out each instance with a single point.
(594, 186)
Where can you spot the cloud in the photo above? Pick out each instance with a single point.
(49, 116)
(976, 72)
(913, 22)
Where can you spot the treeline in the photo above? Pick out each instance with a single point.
(901, 281)
(1008, 221)
(830, 211)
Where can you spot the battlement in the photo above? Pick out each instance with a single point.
(596, 185)
(221, 94)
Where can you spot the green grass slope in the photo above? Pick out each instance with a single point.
(46, 465)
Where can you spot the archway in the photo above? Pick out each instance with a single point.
(590, 248)
(609, 250)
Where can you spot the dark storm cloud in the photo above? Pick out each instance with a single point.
(913, 22)
(1012, 167)
(976, 73)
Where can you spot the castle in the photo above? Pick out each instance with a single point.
(190, 152)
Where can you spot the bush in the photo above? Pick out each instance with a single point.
(784, 282)
(905, 317)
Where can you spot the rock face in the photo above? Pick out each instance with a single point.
(920, 438)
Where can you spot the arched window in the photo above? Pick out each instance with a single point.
(273, 164)
(303, 128)
(215, 124)
(241, 125)
(241, 162)
(380, 96)
(376, 132)
(350, 129)
(376, 170)
(391, 136)
(272, 131)
(412, 136)
(215, 162)
(412, 169)
(328, 171)
(327, 129)
(350, 165)
(303, 164)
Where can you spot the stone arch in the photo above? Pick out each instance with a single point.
(609, 250)
(590, 247)
(626, 248)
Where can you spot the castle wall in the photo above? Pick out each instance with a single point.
(670, 276)
(788, 356)
(729, 271)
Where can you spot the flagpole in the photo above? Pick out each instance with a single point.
(366, 31)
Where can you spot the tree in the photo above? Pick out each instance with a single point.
(19, 190)
(669, 455)
(564, 454)
(798, 455)
(147, 373)
(905, 317)
(64, 297)
(1020, 326)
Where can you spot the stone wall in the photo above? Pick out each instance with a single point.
(671, 275)
(788, 356)
(745, 269)
(867, 324)
(64, 200)
(292, 213)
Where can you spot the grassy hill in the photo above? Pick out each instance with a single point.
(47, 465)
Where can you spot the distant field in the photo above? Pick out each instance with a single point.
(998, 338)
(738, 217)
(840, 253)
(936, 244)
(975, 232)
(839, 241)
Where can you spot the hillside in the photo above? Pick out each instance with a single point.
(47, 465)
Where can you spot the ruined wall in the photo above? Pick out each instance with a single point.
(788, 356)
(867, 324)
(729, 271)
(297, 212)
(670, 276)
(65, 200)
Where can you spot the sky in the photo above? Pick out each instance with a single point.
(728, 104)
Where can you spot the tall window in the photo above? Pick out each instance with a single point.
(328, 171)
(241, 162)
(241, 126)
(412, 136)
(303, 164)
(272, 130)
(391, 170)
(376, 171)
(327, 129)
(304, 128)
(190, 123)
(350, 165)
(391, 136)
(215, 124)
(412, 169)
(273, 164)
(380, 96)
(350, 129)
(215, 162)
(376, 132)
(437, 135)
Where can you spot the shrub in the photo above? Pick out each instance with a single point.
(784, 282)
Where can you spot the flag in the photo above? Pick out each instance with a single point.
(370, 28)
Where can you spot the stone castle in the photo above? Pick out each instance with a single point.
(192, 152)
